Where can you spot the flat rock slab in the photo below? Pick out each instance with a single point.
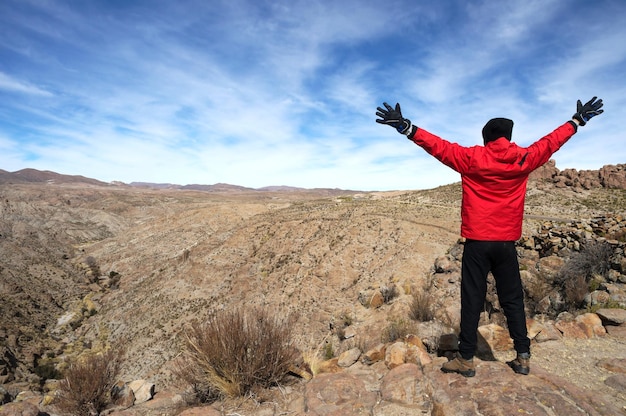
(497, 391)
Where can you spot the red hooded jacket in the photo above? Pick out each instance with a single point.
(494, 179)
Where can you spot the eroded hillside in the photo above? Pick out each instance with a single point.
(176, 255)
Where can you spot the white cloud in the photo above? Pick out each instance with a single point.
(258, 94)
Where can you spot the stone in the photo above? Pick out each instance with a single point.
(612, 316)
(374, 355)
(349, 357)
(338, 394)
(616, 331)
(493, 337)
(587, 325)
(402, 385)
(415, 340)
(142, 390)
(377, 300)
(201, 411)
(444, 265)
(122, 395)
(328, 366)
(591, 324)
(395, 354)
(19, 409)
(618, 382)
(549, 332)
(449, 342)
(614, 365)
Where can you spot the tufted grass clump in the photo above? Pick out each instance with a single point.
(421, 308)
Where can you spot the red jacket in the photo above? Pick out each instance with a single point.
(494, 179)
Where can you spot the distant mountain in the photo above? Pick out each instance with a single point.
(38, 176)
(218, 187)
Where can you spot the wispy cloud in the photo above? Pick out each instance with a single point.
(11, 84)
(284, 92)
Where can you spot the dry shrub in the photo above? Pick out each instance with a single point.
(537, 287)
(397, 329)
(593, 260)
(421, 307)
(389, 293)
(574, 290)
(234, 352)
(86, 388)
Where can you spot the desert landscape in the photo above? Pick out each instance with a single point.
(88, 265)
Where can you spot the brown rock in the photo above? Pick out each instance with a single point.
(338, 394)
(377, 300)
(404, 385)
(615, 365)
(122, 395)
(612, 316)
(349, 357)
(142, 389)
(374, 355)
(395, 354)
(415, 340)
(534, 327)
(493, 338)
(449, 342)
(616, 331)
(201, 411)
(329, 366)
(591, 324)
(618, 382)
(19, 409)
(587, 325)
(548, 333)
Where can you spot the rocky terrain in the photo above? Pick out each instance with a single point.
(87, 264)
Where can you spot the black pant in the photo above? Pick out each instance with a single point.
(499, 258)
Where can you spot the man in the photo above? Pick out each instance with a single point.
(493, 178)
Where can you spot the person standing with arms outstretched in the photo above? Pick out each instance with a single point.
(493, 178)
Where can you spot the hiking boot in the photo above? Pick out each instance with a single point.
(521, 364)
(460, 365)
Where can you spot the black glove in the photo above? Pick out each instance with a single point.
(393, 117)
(585, 112)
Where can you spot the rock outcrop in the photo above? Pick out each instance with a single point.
(609, 176)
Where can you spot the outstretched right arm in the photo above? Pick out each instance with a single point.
(541, 151)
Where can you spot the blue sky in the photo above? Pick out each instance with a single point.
(259, 93)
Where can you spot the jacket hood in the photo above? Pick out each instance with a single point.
(496, 128)
(504, 151)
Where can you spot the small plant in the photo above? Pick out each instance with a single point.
(86, 388)
(389, 293)
(233, 352)
(575, 290)
(346, 319)
(397, 329)
(328, 351)
(421, 308)
(593, 259)
(93, 267)
(574, 278)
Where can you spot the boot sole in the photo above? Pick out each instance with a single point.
(519, 369)
(468, 373)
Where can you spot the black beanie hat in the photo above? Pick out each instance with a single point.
(496, 128)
